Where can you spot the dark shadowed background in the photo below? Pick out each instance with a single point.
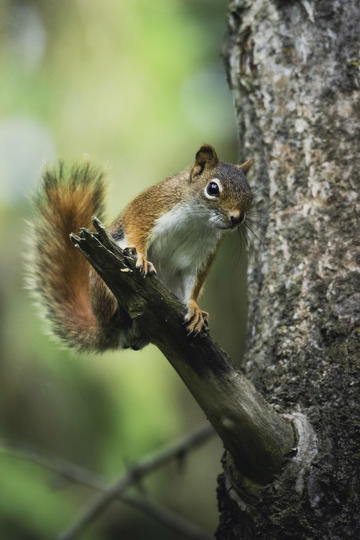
(136, 87)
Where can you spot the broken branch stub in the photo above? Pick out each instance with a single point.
(257, 437)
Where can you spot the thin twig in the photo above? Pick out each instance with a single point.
(78, 474)
(68, 470)
(133, 476)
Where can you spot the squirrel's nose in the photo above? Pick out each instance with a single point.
(237, 217)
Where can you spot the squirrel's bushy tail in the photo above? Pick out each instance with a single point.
(60, 274)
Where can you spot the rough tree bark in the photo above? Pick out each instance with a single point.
(294, 71)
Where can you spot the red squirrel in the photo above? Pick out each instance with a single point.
(174, 228)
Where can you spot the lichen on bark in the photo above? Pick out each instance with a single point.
(293, 68)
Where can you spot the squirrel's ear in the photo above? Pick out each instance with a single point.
(245, 167)
(205, 158)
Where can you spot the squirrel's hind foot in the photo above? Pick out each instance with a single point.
(197, 320)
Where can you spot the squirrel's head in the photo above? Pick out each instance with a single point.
(222, 187)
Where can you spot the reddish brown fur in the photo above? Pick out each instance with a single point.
(204, 272)
(139, 216)
(62, 273)
(83, 311)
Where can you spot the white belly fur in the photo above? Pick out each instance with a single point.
(180, 243)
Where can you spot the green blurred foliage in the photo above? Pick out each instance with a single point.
(137, 87)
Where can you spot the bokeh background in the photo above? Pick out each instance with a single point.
(136, 87)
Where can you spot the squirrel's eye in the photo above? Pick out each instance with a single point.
(212, 190)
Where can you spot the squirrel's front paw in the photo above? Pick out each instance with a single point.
(145, 266)
(196, 318)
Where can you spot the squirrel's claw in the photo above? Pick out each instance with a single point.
(205, 315)
(196, 319)
(145, 266)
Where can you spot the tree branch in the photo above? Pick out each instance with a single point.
(133, 476)
(138, 471)
(257, 438)
(66, 469)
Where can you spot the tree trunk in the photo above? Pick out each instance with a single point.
(294, 71)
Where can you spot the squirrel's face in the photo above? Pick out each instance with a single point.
(221, 187)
